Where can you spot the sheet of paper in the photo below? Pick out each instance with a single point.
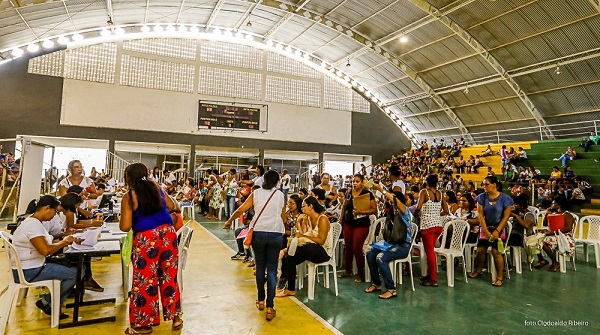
(90, 237)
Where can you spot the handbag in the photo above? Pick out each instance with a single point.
(127, 248)
(395, 228)
(248, 238)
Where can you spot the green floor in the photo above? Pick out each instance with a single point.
(473, 308)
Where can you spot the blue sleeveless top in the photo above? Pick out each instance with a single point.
(143, 223)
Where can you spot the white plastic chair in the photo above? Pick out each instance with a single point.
(185, 236)
(534, 210)
(370, 240)
(562, 259)
(189, 209)
(460, 233)
(396, 265)
(14, 288)
(591, 236)
(336, 230)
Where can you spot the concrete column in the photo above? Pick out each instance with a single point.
(192, 160)
(320, 165)
(261, 157)
(111, 146)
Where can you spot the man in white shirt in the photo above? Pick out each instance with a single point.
(285, 183)
(169, 177)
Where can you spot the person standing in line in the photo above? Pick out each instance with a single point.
(493, 212)
(285, 183)
(432, 206)
(145, 209)
(270, 213)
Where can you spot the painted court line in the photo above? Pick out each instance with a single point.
(294, 299)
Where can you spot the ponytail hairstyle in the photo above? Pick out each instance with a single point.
(312, 201)
(47, 200)
(70, 201)
(148, 196)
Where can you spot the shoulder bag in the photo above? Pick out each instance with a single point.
(248, 238)
(395, 228)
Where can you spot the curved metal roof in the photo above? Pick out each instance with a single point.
(446, 68)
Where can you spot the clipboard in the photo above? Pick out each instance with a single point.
(362, 202)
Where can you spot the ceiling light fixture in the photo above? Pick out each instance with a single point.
(557, 70)
(48, 44)
(17, 52)
(105, 32)
(170, 28)
(194, 29)
(466, 89)
(119, 31)
(77, 37)
(403, 39)
(33, 47)
(348, 64)
(63, 40)
(158, 28)
(182, 29)
(249, 24)
(145, 29)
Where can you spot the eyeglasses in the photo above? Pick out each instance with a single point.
(486, 184)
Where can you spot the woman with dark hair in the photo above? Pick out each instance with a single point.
(303, 193)
(155, 175)
(559, 206)
(355, 225)
(431, 206)
(331, 193)
(33, 244)
(315, 243)
(378, 260)
(231, 186)
(451, 201)
(294, 210)
(214, 204)
(467, 211)
(522, 220)
(76, 177)
(145, 209)
(70, 204)
(493, 209)
(269, 208)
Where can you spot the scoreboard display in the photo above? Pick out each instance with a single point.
(233, 116)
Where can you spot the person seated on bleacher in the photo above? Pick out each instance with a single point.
(592, 140)
(585, 187)
(510, 173)
(577, 197)
(569, 175)
(555, 176)
(315, 242)
(516, 190)
(424, 145)
(520, 157)
(33, 244)
(544, 195)
(569, 155)
(559, 206)
(534, 177)
(487, 152)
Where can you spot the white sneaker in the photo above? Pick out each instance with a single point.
(555, 159)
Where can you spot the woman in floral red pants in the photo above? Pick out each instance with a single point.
(145, 209)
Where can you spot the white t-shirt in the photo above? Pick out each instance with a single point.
(258, 181)
(399, 183)
(28, 229)
(85, 182)
(170, 179)
(270, 219)
(285, 182)
(54, 226)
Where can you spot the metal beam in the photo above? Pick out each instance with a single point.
(491, 60)
(285, 19)
(246, 14)
(595, 3)
(214, 13)
(386, 55)
(178, 13)
(146, 11)
(16, 7)
(109, 10)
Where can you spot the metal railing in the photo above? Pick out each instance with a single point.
(560, 131)
(305, 177)
(115, 166)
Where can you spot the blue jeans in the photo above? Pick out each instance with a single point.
(285, 192)
(230, 205)
(266, 247)
(378, 262)
(564, 158)
(66, 275)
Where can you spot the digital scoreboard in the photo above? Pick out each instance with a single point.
(229, 116)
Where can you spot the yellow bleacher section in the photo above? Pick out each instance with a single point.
(493, 161)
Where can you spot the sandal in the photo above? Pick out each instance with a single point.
(260, 305)
(373, 288)
(138, 330)
(271, 313)
(428, 282)
(475, 274)
(554, 267)
(498, 282)
(359, 279)
(344, 275)
(388, 294)
(285, 293)
(541, 264)
(177, 322)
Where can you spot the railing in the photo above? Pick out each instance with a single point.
(115, 166)
(304, 177)
(560, 131)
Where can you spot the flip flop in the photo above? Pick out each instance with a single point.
(475, 274)
(554, 267)
(373, 288)
(132, 330)
(541, 264)
(498, 282)
(385, 295)
(178, 326)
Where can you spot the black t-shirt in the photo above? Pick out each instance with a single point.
(349, 206)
